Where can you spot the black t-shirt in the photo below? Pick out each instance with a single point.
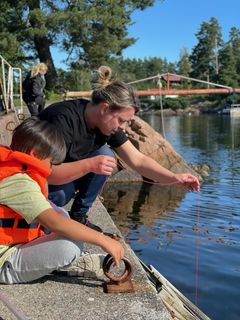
(69, 118)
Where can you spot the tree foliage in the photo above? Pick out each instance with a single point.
(228, 72)
(184, 67)
(91, 32)
(204, 57)
(95, 32)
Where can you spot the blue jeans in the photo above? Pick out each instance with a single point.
(84, 190)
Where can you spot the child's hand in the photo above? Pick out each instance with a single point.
(114, 248)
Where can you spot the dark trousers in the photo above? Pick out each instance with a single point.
(36, 106)
(84, 190)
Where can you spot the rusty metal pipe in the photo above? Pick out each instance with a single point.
(157, 92)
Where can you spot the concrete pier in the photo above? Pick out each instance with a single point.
(67, 298)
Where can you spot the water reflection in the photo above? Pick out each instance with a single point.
(136, 205)
(161, 223)
(204, 132)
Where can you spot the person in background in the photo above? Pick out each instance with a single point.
(26, 252)
(33, 89)
(91, 130)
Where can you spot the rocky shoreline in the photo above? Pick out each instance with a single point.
(171, 112)
(151, 143)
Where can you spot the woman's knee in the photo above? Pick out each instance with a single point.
(61, 195)
(58, 198)
(105, 151)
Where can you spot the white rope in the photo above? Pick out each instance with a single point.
(183, 77)
(145, 79)
(197, 80)
(159, 76)
(161, 105)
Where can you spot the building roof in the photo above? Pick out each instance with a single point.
(171, 78)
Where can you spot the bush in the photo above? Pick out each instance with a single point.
(52, 97)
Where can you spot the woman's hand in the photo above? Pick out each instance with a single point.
(187, 181)
(102, 164)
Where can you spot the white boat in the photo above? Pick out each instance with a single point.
(178, 305)
(233, 110)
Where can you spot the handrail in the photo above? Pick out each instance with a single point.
(7, 85)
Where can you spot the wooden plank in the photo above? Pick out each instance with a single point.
(179, 306)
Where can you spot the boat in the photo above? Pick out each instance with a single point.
(233, 110)
(180, 307)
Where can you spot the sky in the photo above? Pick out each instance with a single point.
(170, 25)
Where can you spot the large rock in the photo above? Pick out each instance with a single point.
(152, 144)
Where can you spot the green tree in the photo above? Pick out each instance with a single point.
(91, 32)
(184, 66)
(234, 41)
(204, 57)
(10, 47)
(228, 73)
(76, 80)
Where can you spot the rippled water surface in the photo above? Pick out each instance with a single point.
(192, 239)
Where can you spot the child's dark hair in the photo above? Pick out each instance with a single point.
(42, 137)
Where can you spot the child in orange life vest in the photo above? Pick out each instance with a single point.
(26, 252)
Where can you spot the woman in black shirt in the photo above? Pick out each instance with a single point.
(89, 128)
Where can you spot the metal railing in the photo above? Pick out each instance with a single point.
(10, 87)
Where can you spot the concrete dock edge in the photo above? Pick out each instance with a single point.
(60, 297)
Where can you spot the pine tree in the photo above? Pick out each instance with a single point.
(204, 57)
(234, 41)
(184, 67)
(228, 75)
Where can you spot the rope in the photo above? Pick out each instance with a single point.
(96, 204)
(161, 105)
(144, 79)
(197, 250)
(198, 229)
(183, 77)
(201, 81)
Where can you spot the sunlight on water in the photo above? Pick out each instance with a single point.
(162, 223)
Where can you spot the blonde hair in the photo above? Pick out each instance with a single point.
(117, 94)
(38, 68)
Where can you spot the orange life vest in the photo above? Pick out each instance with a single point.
(13, 227)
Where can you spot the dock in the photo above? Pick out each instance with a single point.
(57, 297)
